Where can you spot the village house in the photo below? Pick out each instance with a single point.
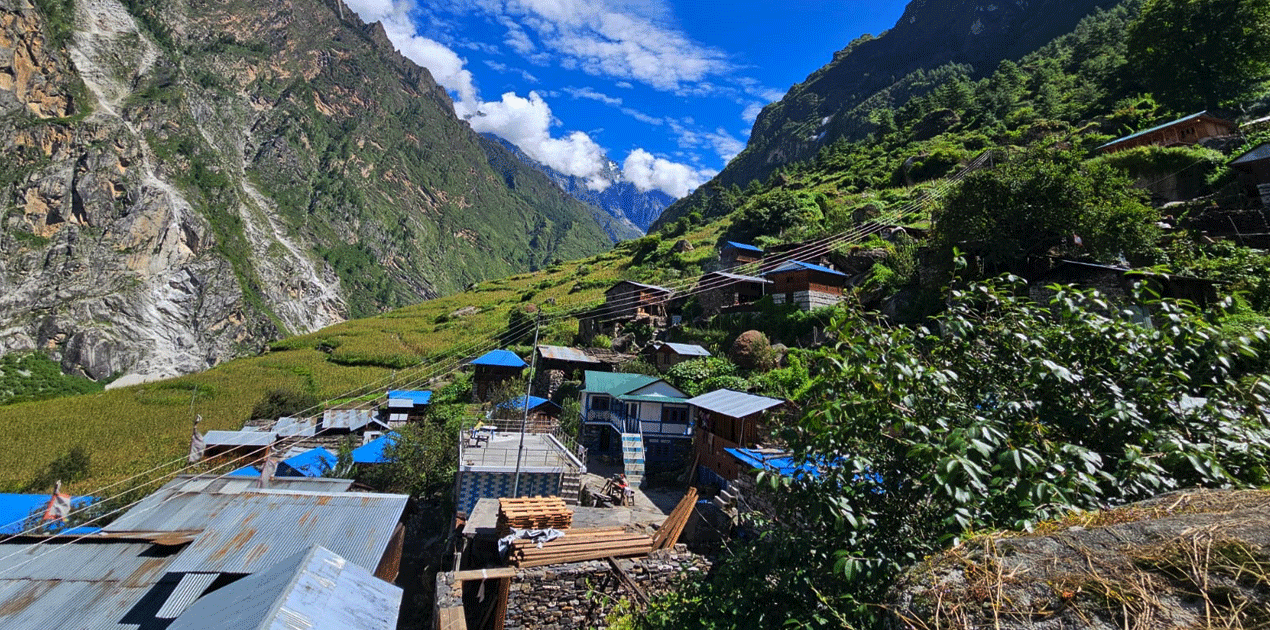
(624, 303)
(727, 419)
(722, 292)
(491, 370)
(808, 285)
(733, 254)
(666, 354)
(556, 364)
(1254, 173)
(540, 415)
(250, 446)
(406, 405)
(1184, 131)
(217, 553)
(640, 421)
(1117, 282)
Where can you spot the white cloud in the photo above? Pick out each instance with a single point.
(527, 122)
(724, 144)
(591, 94)
(751, 111)
(498, 66)
(648, 172)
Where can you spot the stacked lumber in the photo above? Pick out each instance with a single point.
(578, 545)
(532, 513)
(673, 526)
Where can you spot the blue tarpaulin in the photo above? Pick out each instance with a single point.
(782, 464)
(419, 398)
(312, 463)
(16, 508)
(374, 451)
(500, 358)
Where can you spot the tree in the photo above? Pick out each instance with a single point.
(283, 401)
(1043, 203)
(1001, 414)
(1196, 54)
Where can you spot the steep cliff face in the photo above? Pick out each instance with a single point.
(835, 101)
(186, 181)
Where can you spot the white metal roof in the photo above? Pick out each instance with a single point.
(734, 404)
(239, 438)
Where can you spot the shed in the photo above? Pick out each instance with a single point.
(249, 445)
(720, 291)
(406, 405)
(1254, 172)
(629, 299)
(668, 354)
(491, 370)
(1187, 130)
(317, 586)
(728, 419)
(350, 420)
(313, 463)
(808, 285)
(733, 253)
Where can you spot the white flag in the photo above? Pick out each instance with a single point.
(59, 505)
(197, 445)
(267, 471)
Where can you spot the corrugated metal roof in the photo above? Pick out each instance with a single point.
(165, 509)
(187, 590)
(350, 419)
(561, 353)
(312, 590)
(744, 246)
(1156, 128)
(312, 463)
(258, 529)
(654, 398)
(734, 404)
(414, 397)
(738, 277)
(500, 358)
(687, 349)
(795, 265)
(83, 584)
(614, 383)
(292, 427)
(534, 403)
(239, 438)
(15, 509)
(641, 285)
(1258, 153)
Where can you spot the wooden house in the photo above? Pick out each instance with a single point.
(668, 354)
(629, 300)
(1254, 172)
(722, 292)
(727, 419)
(491, 370)
(406, 405)
(733, 254)
(808, 285)
(1181, 132)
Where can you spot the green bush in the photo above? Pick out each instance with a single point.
(284, 401)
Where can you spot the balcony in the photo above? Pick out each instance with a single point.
(624, 423)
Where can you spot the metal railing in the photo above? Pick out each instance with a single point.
(624, 423)
(496, 442)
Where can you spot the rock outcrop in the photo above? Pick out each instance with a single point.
(1194, 559)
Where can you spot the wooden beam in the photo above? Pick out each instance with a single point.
(484, 574)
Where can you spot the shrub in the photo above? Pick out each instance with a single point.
(284, 401)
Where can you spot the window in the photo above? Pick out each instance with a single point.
(600, 403)
(632, 410)
(674, 415)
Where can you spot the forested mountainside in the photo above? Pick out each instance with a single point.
(185, 182)
(628, 211)
(837, 101)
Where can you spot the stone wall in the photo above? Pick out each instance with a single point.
(566, 596)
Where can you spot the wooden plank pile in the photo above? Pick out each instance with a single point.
(532, 513)
(668, 535)
(578, 545)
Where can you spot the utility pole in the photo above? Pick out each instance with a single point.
(524, 418)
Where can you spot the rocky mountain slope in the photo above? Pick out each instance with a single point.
(628, 210)
(185, 182)
(877, 72)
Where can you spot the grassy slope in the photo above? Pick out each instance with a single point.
(132, 429)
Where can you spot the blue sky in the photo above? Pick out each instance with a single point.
(666, 89)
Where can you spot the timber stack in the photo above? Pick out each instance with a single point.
(580, 545)
(533, 513)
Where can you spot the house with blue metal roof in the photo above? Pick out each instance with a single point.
(406, 405)
(808, 285)
(733, 253)
(491, 370)
(638, 420)
(374, 451)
